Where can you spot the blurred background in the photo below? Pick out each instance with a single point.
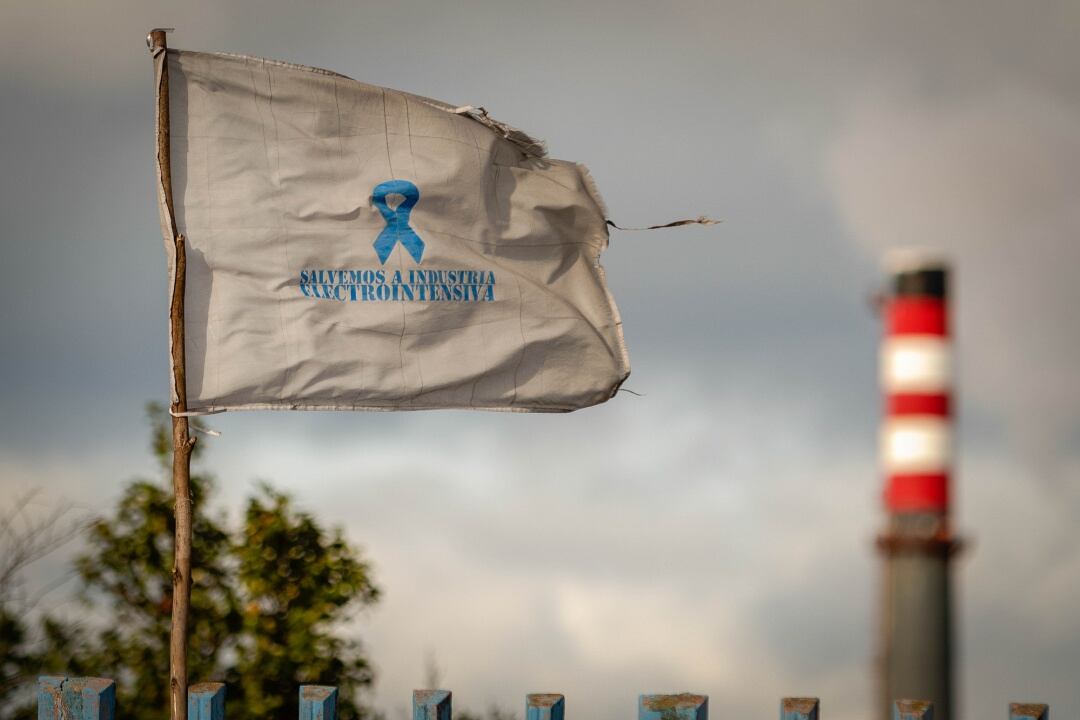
(715, 534)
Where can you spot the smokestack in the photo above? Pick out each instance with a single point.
(916, 457)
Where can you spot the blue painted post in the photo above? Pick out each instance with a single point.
(545, 706)
(799, 709)
(318, 702)
(206, 701)
(685, 706)
(62, 698)
(431, 704)
(913, 710)
(48, 699)
(1029, 711)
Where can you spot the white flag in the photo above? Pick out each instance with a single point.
(351, 247)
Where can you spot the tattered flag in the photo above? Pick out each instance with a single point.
(353, 247)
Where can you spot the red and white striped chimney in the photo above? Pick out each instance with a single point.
(916, 378)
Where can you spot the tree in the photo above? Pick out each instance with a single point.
(296, 581)
(28, 533)
(268, 601)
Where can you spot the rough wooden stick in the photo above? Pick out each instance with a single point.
(182, 440)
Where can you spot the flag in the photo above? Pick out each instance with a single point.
(352, 247)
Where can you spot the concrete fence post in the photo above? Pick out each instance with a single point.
(206, 701)
(545, 706)
(799, 708)
(1029, 711)
(431, 704)
(684, 706)
(913, 710)
(63, 698)
(318, 702)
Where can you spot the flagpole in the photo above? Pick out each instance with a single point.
(182, 440)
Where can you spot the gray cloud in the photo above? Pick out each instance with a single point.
(716, 534)
(991, 179)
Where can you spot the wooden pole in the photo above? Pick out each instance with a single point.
(183, 443)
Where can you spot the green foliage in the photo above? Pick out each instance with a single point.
(15, 658)
(268, 601)
(128, 570)
(297, 580)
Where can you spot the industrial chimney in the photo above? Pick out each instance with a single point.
(916, 455)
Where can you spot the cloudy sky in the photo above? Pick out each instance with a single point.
(715, 534)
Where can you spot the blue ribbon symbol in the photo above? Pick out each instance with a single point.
(397, 228)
